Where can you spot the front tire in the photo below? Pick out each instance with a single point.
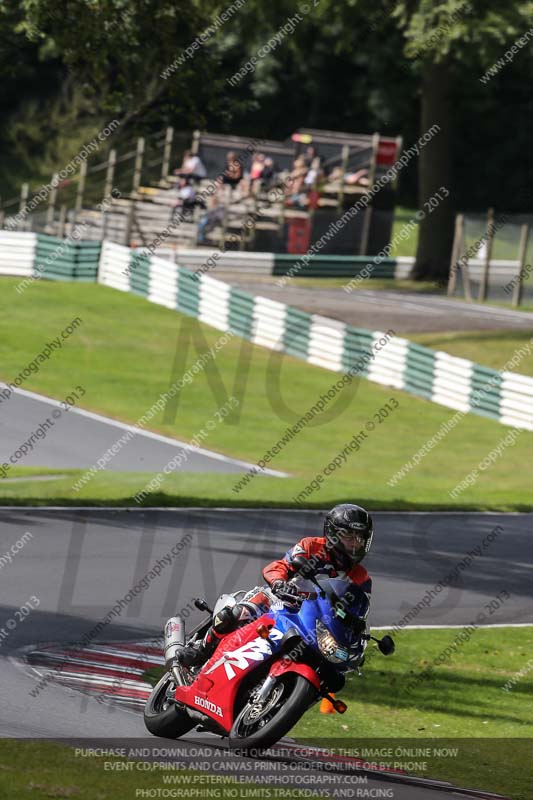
(291, 696)
(162, 717)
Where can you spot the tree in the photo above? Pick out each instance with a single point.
(28, 74)
(131, 57)
(433, 51)
(440, 40)
(397, 66)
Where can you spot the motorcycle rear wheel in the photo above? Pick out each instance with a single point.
(254, 728)
(163, 718)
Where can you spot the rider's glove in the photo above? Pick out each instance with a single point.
(279, 587)
(286, 591)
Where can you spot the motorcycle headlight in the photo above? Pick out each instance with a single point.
(330, 648)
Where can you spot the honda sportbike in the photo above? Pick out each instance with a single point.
(264, 676)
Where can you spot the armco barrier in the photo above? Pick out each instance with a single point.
(324, 266)
(62, 259)
(207, 259)
(437, 376)
(37, 255)
(17, 253)
(265, 264)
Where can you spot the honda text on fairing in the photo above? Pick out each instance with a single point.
(263, 676)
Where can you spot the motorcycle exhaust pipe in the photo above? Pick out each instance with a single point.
(174, 639)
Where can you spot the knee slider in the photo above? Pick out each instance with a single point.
(225, 620)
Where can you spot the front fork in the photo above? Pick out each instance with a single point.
(282, 667)
(266, 688)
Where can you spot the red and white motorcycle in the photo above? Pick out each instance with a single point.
(264, 676)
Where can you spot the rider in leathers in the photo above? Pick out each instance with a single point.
(348, 531)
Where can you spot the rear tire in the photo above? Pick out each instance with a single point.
(296, 694)
(163, 718)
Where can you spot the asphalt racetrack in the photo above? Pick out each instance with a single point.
(78, 563)
(381, 310)
(77, 439)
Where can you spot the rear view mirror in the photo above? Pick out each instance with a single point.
(386, 645)
(201, 605)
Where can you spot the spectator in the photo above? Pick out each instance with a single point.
(258, 164)
(310, 155)
(186, 194)
(213, 217)
(233, 173)
(268, 173)
(186, 200)
(336, 174)
(359, 178)
(192, 165)
(256, 172)
(295, 182)
(314, 174)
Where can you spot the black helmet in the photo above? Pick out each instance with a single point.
(348, 530)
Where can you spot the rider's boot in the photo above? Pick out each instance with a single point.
(193, 655)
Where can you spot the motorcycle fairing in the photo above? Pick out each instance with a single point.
(214, 691)
(282, 667)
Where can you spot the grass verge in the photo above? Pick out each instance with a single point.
(127, 352)
(40, 770)
(462, 702)
(489, 348)
(407, 245)
(214, 490)
(505, 244)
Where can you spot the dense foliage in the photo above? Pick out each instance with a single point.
(68, 66)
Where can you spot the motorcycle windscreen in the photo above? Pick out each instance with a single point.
(352, 606)
(352, 596)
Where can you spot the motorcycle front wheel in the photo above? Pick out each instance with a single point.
(162, 717)
(261, 726)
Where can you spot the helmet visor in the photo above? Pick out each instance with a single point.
(354, 543)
